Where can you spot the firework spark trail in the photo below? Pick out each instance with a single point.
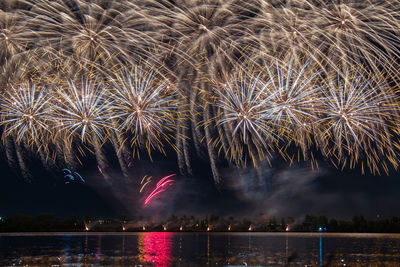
(47, 163)
(291, 102)
(210, 149)
(64, 153)
(145, 181)
(120, 155)
(102, 161)
(9, 147)
(160, 187)
(144, 177)
(144, 185)
(95, 30)
(99, 169)
(26, 174)
(161, 182)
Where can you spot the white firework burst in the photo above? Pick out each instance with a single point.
(359, 117)
(144, 106)
(25, 112)
(82, 109)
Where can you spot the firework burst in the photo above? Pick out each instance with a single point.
(144, 109)
(292, 99)
(85, 29)
(15, 36)
(359, 120)
(25, 113)
(353, 32)
(82, 110)
(242, 115)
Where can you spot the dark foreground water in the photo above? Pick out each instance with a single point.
(199, 249)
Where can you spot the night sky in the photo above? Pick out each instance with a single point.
(285, 191)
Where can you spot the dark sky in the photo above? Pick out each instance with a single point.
(285, 191)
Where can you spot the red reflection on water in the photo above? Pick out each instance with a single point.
(155, 248)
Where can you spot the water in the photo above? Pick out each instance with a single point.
(199, 249)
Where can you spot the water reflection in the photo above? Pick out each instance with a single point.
(320, 252)
(199, 249)
(67, 245)
(208, 248)
(155, 248)
(287, 249)
(98, 249)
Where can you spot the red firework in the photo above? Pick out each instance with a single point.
(160, 187)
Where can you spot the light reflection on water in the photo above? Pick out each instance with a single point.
(199, 249)
(155, 248)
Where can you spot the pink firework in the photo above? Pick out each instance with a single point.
(100, 169)
(160, 187)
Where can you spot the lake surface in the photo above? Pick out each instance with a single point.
(199, 249)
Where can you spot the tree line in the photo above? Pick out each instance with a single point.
(309, 223)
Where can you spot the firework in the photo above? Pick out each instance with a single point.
(204, 26)
(250, 79)
(15, 36)
(82, 110)
(283, 28)
(25, 112)
(243, 115)
(161, 186)
(360, 117)
(353, 32)
(292, 99)
(145, 181)
(277, 103)
(205, 35)
(144, 108)
(99, 169)
(72, 177)
(88, 30)
(330, 32)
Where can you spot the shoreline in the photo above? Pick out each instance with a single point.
(293, 234)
